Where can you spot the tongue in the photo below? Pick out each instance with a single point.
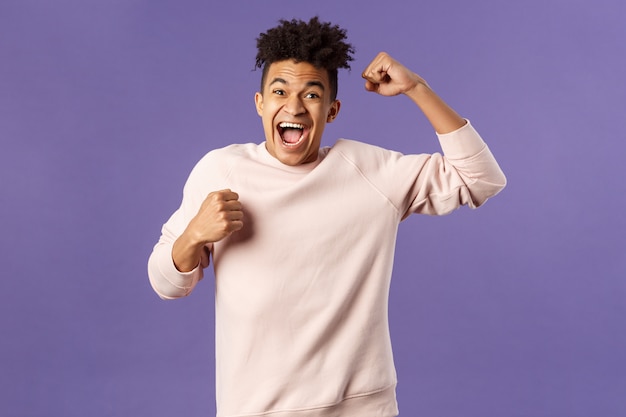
(292, 135)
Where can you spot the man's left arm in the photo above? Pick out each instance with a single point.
(476, 170)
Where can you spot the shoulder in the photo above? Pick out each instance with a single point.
(230, 152)
(220, 163)
(228, 155)
(360, 152)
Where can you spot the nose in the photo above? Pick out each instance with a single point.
(294, 105)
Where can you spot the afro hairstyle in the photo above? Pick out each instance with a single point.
(320, 44)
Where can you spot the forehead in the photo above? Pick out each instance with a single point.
(296, 74)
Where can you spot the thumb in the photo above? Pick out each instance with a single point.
(370, 86)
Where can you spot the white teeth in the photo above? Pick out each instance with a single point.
(288, 125)
(291, 125)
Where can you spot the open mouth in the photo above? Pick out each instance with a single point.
(291, 134)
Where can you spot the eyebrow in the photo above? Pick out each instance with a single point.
(308, 84)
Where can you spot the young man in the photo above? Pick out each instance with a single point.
(302, 237)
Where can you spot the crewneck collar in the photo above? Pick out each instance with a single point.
(271, 160)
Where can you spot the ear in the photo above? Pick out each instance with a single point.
(333, 111)
(258, 101)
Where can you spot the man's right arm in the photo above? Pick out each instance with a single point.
(176, 263)
(219, 215)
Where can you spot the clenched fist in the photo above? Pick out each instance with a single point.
(387, 77)
(219, 215)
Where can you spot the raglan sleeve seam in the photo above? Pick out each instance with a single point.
(370, 182)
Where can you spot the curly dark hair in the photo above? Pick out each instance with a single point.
(318, 43)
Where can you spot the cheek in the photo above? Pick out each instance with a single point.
(268, 122)
(268, 112)
(321, 120)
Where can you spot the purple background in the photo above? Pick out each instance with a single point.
(516, 309)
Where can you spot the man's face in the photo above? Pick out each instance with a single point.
(295, 106)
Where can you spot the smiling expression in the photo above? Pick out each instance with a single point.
(295, 106)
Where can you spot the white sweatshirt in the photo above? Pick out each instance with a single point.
(302, 289)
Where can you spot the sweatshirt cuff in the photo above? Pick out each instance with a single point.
(461, 143)
(181, 280)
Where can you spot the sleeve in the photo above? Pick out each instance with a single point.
(166, 280)
(466, 174)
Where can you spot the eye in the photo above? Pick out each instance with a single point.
(279, 92)
(312, 95)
